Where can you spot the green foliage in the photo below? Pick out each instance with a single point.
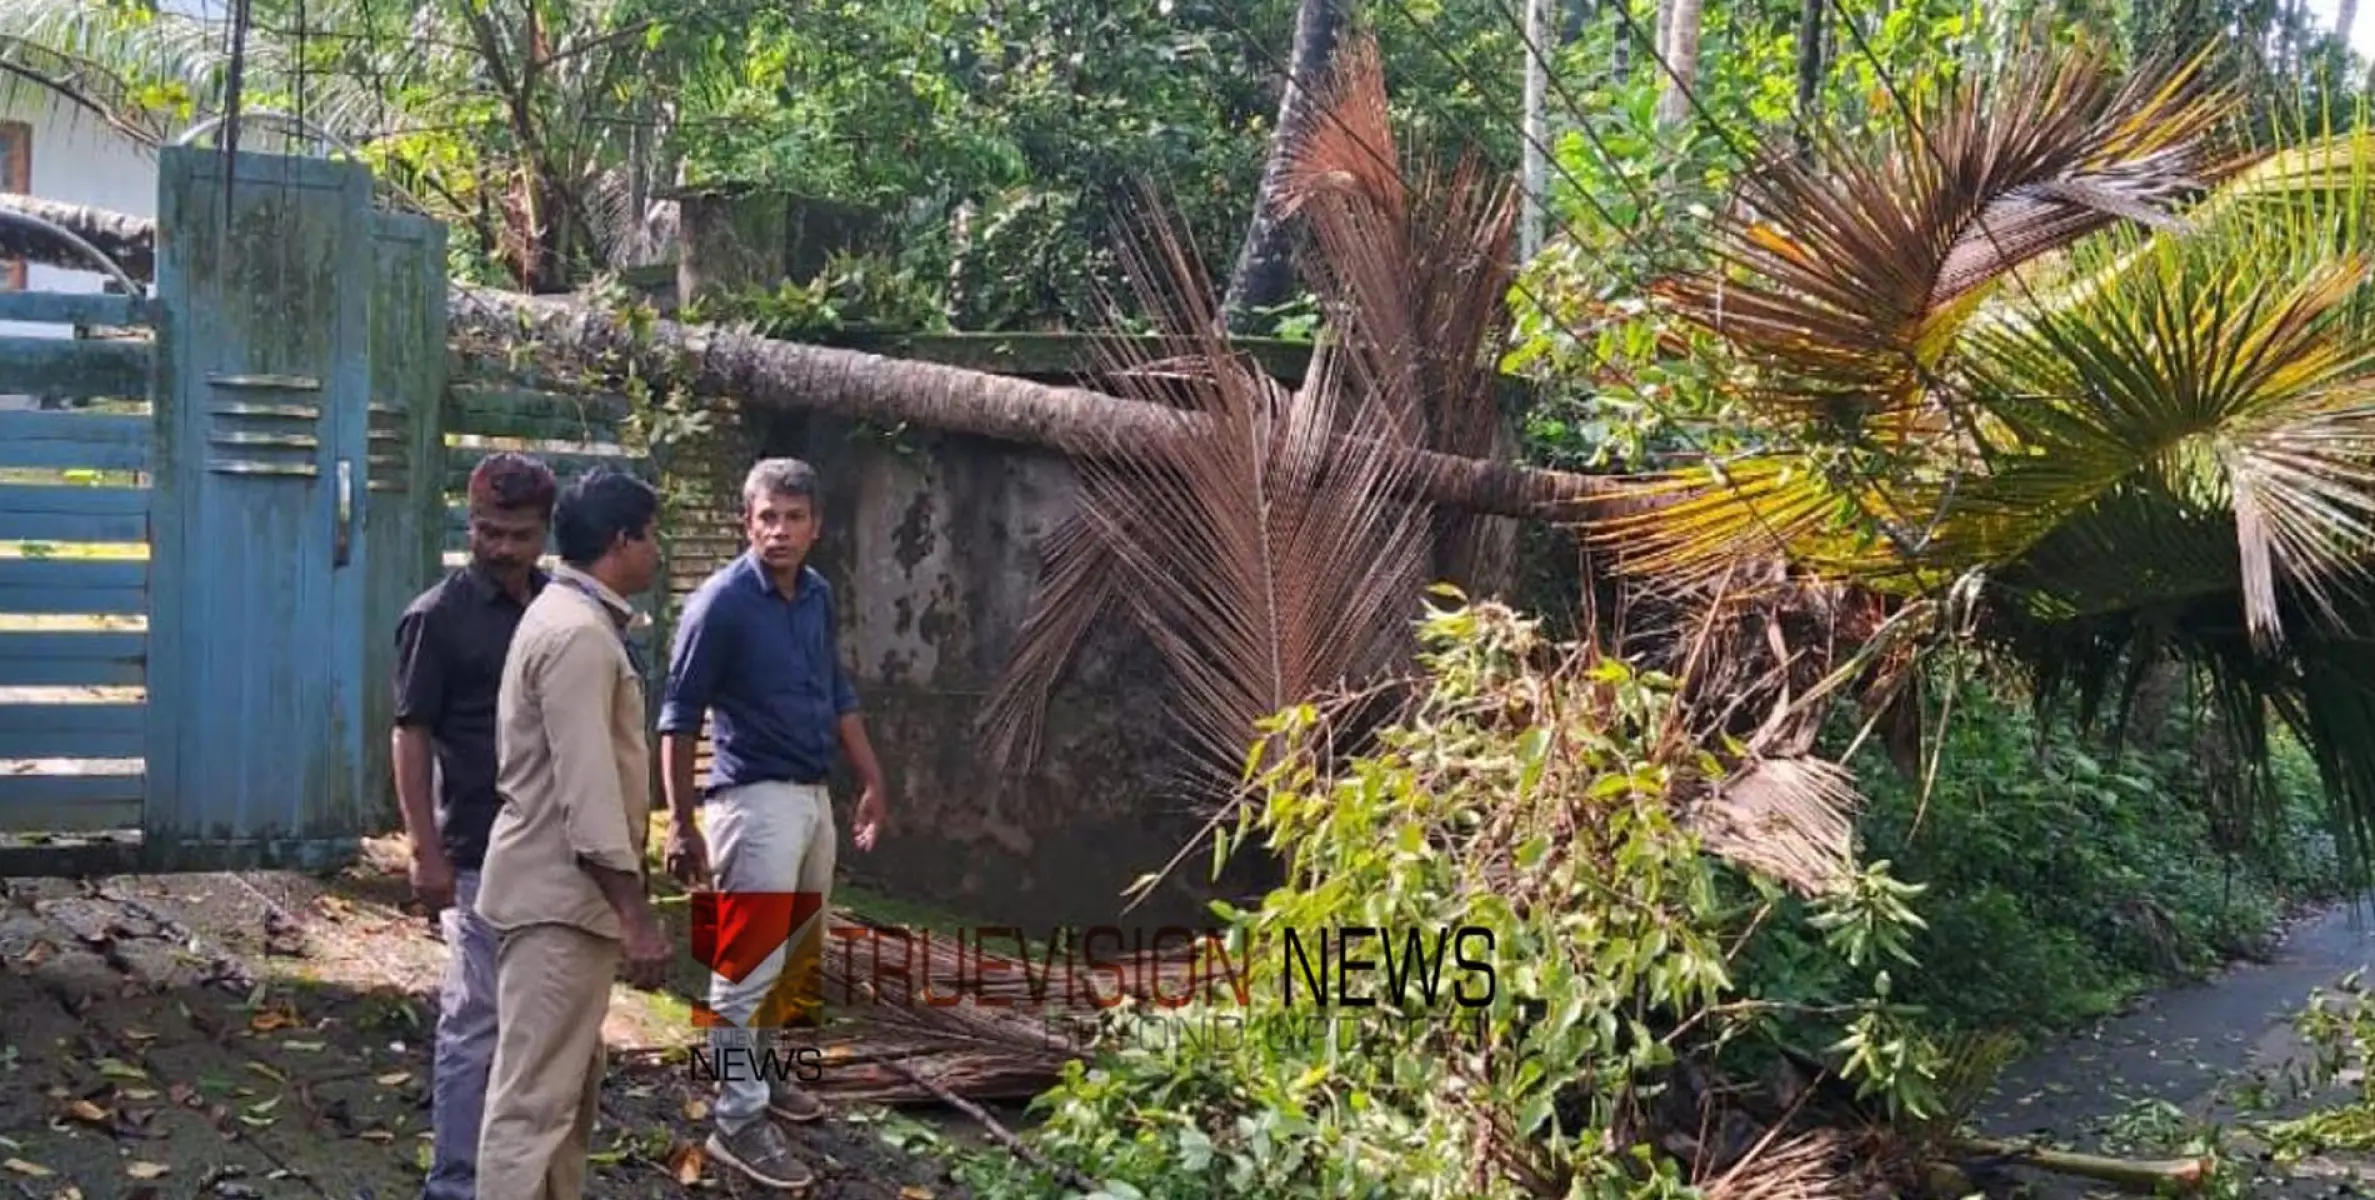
(2338, 1027)
(855, 293)
(998, 137)
(2061, 878)
(1533, 803)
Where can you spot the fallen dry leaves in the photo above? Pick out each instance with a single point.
(687, 1162)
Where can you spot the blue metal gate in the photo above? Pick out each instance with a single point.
(194, 570)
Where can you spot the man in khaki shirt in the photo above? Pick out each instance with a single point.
(563, 879)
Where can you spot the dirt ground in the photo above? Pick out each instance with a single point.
(267, 1035)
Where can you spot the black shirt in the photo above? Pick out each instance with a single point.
(450, 645)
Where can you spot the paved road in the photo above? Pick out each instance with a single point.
(2183, 1045)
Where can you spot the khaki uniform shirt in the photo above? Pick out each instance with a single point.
(572, 763)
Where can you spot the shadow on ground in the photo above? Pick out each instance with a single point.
(267, 1035)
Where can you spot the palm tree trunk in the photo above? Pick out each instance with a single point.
(130, 241)
(1620, 47)
(1264, 271)
(761, 371)
(572, 338)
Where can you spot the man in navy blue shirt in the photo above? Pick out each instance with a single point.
(756, 650)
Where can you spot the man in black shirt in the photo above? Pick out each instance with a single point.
(450, 645)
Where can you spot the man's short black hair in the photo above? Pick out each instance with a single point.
(513, 482)
(596, 508)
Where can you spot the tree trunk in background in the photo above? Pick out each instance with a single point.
(1534, 154)
(1574, 17)
(1682, 54)
(1810, 68)
(1264, 274)
(1620, 54)
(573, 339)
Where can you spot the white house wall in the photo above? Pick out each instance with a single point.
(76, 159)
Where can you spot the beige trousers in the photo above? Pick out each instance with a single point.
(552, 989)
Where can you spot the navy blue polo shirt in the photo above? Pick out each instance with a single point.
(767, 668)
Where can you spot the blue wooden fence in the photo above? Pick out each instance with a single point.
(74, 565)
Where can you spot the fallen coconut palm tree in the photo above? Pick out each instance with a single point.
(576, 340)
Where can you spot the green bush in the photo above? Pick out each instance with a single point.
(2064, 878)
(1538, 801)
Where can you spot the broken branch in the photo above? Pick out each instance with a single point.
(2185, 1175)
(998, 1132)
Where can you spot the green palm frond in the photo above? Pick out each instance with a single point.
(2139, 404)
(1845, 280)
(1694, 523)
(2228, 415)
(2285, 203)
(89, 89)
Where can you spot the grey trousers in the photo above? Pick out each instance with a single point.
(763, 837)
(465, 1047)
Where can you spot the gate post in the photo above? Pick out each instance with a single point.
(405, 509)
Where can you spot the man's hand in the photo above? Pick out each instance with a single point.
(687, 855)
(870, 817)
(648, 954)
(432, 877)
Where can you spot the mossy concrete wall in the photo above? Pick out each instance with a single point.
(932, 543)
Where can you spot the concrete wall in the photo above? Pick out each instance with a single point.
(932, 545)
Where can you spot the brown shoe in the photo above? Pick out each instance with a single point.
(760, 1151)
(792, 1102)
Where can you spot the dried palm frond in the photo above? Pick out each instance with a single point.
(1268, 562)
(1078, 587)
(984, 1025)
(1275, 560)
(1789, 818)
(1805, 1167)
(1415, 263)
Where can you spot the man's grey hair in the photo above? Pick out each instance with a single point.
(778, 477)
